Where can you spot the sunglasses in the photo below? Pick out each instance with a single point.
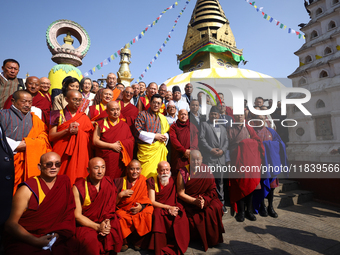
(50, 164)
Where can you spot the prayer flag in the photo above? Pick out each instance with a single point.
(90, 71)
(265, 16)
(116, 54)
(112, 57)
(98, 67)
(94, 69)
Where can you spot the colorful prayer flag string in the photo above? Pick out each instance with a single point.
(133, 41)
(276, 22)
(163, 44)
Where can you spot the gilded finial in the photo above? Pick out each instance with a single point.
(68, 39)
(27, 75)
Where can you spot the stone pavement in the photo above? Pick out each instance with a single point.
(308, 228)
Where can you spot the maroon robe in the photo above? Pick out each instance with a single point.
(128, 112)
(183, 136)
(40, 101)
(115, 162)
(249, 153)
(96, 112)
(102, 207)
(205, 223)
(54, 215)
(170, 235)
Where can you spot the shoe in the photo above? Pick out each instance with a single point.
(263, 211)
(137, 248)
(250, 216)
(271, 212)
(124, 248)
(225, 210)
(239, 217)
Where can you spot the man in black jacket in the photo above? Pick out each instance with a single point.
(6, 179)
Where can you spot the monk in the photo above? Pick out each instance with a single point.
(27, 136)
(42, 217)
(183, 138)
(98, 112)
(111, 83)
(39, 99)
(134, 207)
(114, 142)
(151, 129)
(246, 150)
(144, 103)
(170, 229)
(196, 190)
(70, 132)
(98, 229)
(128, 111)
(45, 85)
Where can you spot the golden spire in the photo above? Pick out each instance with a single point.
(68, 39)
(209, 26)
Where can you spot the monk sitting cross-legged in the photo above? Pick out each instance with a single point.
(196, 189)
(134, 207)
(42, 217)
(170, 229)
(98, 229)
(70, 132)
(113, 141)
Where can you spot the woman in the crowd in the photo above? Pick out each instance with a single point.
(59, 102)
(86, 86)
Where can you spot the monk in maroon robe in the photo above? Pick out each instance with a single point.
(98, 229)
(246, 150)
(43, 213)
(128, 111)
(98, 112)
(183, 138)
(196, 189)
(39, 99)
(144, 102)
(70, 132)
(114, 142)
(170, 228)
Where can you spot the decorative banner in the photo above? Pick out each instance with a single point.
(134, 40)
(276, 22)
(164, 43)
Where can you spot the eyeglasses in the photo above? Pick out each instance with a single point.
(77, 100)
(50, 164)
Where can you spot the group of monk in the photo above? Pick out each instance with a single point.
(92, 172)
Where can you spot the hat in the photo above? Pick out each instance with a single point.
(175, 88)
(214, 109)
(170, 103)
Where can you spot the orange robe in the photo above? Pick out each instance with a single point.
(37, 144)
(142, 221)
(74, 150)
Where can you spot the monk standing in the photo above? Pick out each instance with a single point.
(98, 229)
(39, 101)
(70, 132)
(42, 217)
(113, 141)
(128, 111)
(183, 137)
(170, 229)
(27, 136)
(98, 112)
(134, 207)
(196, 189)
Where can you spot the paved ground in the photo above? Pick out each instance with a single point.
(309, 228)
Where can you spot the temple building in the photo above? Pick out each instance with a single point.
(319, 72)
(209, 41)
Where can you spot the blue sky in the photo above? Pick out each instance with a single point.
(111, 24)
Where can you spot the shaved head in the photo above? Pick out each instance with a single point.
(45, 157)
(134, 161)
(73, 93)
(93, 161)
(112, 104)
